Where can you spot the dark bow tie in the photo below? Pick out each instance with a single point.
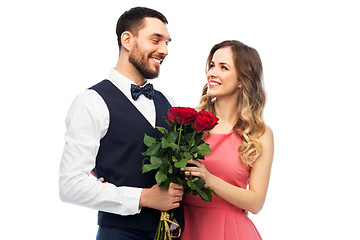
(147, 90)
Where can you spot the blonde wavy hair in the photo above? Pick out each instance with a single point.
(250, 125)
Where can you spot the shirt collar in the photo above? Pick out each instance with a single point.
(121, 82)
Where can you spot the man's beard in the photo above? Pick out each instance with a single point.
(141, 63)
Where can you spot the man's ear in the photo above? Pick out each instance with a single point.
(126, 40)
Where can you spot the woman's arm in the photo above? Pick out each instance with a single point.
(253, 199)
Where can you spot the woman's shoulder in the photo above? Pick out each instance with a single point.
(267, 142)
(268, 130)
(268, 136)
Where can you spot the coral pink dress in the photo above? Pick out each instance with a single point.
(219, 219)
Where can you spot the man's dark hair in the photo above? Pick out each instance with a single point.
(132, 20)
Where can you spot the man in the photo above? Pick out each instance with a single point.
(106, 125)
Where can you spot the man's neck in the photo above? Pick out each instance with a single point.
(125, 68)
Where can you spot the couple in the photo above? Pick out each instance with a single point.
(106, 126)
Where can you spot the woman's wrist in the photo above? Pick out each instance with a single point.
(212, 181)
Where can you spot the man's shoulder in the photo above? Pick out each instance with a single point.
(88, 96)
(167, 97)
(101, 84)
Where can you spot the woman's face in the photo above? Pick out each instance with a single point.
(222, 75)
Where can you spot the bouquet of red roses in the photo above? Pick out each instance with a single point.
(168, 154)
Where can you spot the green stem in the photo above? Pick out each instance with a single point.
(181, 126)
(192, 138)
(158, 231)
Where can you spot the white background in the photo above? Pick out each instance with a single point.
(52, 50)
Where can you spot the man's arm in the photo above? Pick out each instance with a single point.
(87, 122)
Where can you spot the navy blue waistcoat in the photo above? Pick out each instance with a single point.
(119, 159)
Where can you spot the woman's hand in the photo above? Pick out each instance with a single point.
(101, 179)
(198, 170)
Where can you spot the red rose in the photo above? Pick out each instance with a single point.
(205, 121)
(182, 115)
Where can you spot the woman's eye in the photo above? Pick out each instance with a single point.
(211, 66)
(225, 68)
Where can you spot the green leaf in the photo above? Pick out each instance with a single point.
(152, 150)
(194, 149)
(164, 168)
(165, 143)
(172, 137)
(182, 163)
(189, 182)
(175, 146)
(205, 193)
(162, 130)
(187, 155)
(199, 139)
(206, 196)
(160, 177)
(195, 193)
(148, 141)
(156, 161)
(199, 183)
(148, 167)
(203, 196)
(174, 159)
(183, 148)
(192, 184)
(204, 149)
(214, 192)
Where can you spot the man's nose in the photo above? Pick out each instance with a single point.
(163, 49)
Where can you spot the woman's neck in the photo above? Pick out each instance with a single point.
(226, 111)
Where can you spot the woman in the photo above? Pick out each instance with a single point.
(238, 169)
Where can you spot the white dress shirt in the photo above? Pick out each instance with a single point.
(86, 124)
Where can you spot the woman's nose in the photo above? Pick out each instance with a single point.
(212, 72)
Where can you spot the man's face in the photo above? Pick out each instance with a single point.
(150, 48)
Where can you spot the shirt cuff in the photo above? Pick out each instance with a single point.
(131, 198)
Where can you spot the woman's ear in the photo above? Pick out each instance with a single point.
(126, 40)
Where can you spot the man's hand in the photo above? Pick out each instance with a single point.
(161, 198)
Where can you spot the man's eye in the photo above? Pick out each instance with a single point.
(156, 41)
